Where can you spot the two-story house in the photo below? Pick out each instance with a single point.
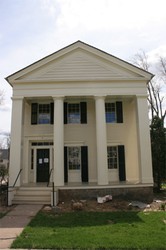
(80, 122)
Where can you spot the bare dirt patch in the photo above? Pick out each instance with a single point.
(158, 204)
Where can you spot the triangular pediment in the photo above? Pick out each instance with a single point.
(79, 62)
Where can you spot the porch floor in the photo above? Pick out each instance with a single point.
(78, 185)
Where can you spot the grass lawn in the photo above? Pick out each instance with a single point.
(95, 230)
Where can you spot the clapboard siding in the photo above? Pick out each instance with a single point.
(79, 65)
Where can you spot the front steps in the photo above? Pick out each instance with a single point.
(32, 195)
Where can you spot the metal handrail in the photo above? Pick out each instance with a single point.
(49, 176)
(53, 200)
(17, 177)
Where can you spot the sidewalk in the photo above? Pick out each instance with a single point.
(14, 222)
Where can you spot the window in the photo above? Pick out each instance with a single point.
(110, 112)
(114, 112)
(42, 113)
(74, 158)
(73, 114)
(112, 157)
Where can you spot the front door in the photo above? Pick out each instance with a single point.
(43, 161)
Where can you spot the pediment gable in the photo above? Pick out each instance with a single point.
(79, 62)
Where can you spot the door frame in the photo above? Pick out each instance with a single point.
(33, 172)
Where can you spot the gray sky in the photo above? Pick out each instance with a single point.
(32, 29)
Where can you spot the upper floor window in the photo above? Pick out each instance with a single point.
(75, 113)
(110, 112)
(42, 113)
(114, 112)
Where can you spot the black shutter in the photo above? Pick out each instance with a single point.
(122, 168)
(65, 165)
(119, 112)
(34, 109)
(52, 113)
(84, 163)
(83, 107)
(65, 112)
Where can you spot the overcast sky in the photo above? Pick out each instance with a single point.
(32, 29)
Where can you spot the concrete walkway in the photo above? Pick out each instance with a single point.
(14, 222)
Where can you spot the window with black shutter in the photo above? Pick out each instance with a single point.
(114, 112)
(65, 165)
(84, 163)
(75, 113)
(76, 159)
(34, 113)
(42, 113)
(119, 112)
(122, 168)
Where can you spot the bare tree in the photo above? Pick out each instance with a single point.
(1, 96)
(154, 86)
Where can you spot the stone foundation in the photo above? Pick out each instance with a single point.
(127, 193)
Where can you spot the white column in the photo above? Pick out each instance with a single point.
(144, 145)
(58, 142)
(101, 139)
(16, 141)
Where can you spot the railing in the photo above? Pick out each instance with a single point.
(53, 198)
(4, 194)
(49, 176)
(4, 190)
(17, 177)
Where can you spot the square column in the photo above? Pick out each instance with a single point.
(144, 144)
(58, 173)
(101, 139)
(16, 141)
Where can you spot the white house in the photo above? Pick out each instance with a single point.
(79, 122)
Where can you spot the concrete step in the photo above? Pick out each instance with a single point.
(32, 195)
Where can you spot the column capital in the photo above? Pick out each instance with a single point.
(18, 98)
(60, 97)
(96, 97)
(142, 96)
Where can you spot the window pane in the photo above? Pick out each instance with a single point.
(73, 113)
(44, 114)
(112, 157)
(74, 158)
(110, 112)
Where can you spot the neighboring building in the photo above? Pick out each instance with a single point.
(81, 115)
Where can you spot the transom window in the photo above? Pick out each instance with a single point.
(73, 114)
(44, 114)
(112, 157)
(110, 112)
(74, 158)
